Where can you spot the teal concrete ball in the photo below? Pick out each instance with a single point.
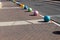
(47, 18)
(29, 9)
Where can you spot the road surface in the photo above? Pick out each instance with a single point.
(18, 24)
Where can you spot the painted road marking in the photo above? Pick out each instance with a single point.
(10, 7)
(13, 23)
(26, 22)
(0, 4)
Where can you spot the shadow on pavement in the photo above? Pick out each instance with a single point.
(56, 32)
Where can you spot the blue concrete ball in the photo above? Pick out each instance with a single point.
(47, 18)
(25, 7)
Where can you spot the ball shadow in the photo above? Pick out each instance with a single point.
(41, 21)
(31, 15)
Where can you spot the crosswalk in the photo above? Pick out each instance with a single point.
(25, 22)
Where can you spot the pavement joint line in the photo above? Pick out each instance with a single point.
(9, 7)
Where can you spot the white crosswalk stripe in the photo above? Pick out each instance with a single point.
(26, 22)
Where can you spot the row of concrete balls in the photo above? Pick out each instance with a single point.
(36, 13)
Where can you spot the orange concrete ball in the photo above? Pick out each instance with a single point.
(22, 5)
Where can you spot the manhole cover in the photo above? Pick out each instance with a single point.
(56, 32)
